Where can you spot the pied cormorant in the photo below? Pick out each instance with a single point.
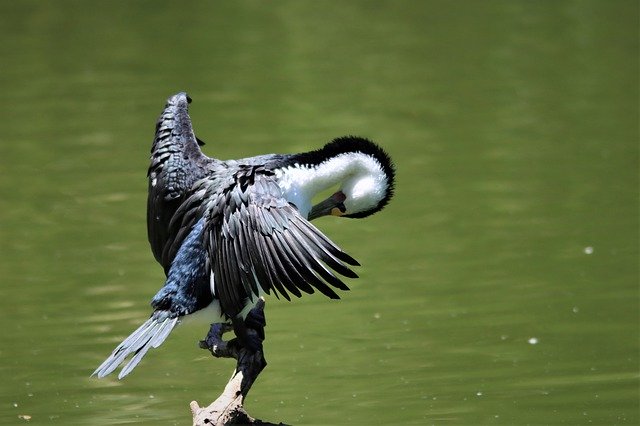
(226, 232)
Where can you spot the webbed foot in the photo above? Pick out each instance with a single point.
(214, 342)
(249, 334)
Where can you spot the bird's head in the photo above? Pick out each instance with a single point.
(366, 180)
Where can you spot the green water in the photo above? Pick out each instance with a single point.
(500, 286)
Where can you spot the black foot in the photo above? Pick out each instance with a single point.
(214, 343)
(249, 333)
(256, 320)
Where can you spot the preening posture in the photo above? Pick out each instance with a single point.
(227, 232)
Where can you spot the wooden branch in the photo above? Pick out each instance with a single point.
(228, 408)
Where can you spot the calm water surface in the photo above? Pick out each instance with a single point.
(499, 287)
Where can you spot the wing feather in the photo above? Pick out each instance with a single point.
(324, 243)
(290, 267)
(301, 267)
(258, 242)
(176, 164)
(265, 265)
(310, 245)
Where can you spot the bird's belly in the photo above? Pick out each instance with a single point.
(210, 314)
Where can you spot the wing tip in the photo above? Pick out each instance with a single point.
(179, 97)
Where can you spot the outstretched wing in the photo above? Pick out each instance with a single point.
(257, 240)
(176, 164)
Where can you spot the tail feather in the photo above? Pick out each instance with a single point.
(130, 345)
(163, 332)
(160, 335)
(151, 334)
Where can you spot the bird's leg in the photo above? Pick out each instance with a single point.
(228, 408)
(250, 331)
(256, 320)
(249, 335)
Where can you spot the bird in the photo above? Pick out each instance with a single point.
(228, 232)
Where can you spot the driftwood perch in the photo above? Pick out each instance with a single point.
(228, 408)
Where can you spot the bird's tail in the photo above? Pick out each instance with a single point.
(149, 335)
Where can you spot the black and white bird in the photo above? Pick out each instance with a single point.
(227, 232)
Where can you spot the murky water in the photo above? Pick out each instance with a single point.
(499, 287)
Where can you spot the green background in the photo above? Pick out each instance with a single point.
(500, 286)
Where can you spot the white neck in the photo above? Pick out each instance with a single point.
(361, 178)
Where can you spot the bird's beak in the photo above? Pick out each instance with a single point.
(333, 205)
